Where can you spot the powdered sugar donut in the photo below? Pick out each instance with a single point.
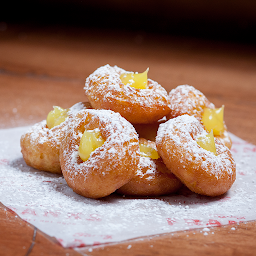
(185, 99)
(199, 169)
(152, 178)
(109, 166)
(105, 90)
(40, 145)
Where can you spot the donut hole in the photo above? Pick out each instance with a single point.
(135, 80)
(148, 149)
(213, 119)
(83, 148)
(207, 142)
(90, 141)
(56, 116)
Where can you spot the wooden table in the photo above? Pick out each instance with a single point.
(42, 67)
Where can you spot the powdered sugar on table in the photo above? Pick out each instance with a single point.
(45, 200)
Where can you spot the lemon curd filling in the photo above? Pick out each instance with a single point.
(136, 80)
(56, 116)
(91, 139)
(207, 142)
(213, 120)
(148, 151)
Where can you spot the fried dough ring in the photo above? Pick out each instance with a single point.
(105, 90)
(200, 170)
(110, 166)
(151, 178)
(40, 145)
(185, 99)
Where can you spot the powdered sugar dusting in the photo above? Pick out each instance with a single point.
(46, 201)
(76, 108)
(105, 90)
(118, 133)
(183, 131)
(185, 99)
(39, 133)
(108, 79)
(147, 164)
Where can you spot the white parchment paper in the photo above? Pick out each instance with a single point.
(46, 201)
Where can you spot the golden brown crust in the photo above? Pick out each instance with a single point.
(40, 145)
(151, 179)
(110, 166)
(185, 99)
(105, 90)
(200, 170)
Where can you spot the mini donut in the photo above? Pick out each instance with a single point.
(109, 166)
(40, 145)
(199, 169)
(105, 90)
(151, 178)
(185, 99)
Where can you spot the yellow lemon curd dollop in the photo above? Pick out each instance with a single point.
(148, 151)
(213, 120)
(91, 139)
(56, 116)
(136, 80)
(207, 142)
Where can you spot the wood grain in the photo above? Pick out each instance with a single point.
(45, 67)
(218, 241)
(16, 238)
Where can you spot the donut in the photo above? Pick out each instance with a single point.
(185, 99)
(40, 145)
(105, 90)
(151, 178)
(110, 165)
(200, 170)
